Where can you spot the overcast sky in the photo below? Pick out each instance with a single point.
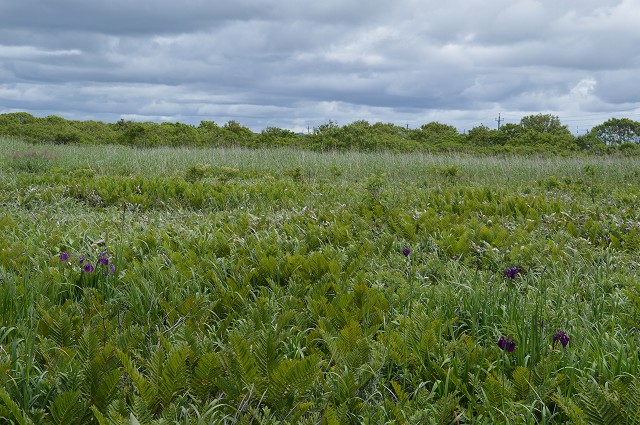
(299, 63)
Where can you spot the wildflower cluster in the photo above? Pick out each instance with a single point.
(507, 344)
(561, 337)
(86, 266)
(512, 272)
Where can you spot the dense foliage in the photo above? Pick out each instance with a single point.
(282, 286)
(540, 134)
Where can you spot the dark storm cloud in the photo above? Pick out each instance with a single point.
(295, 63)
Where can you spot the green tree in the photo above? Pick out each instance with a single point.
(177, 134)
(138, 135)
(511, 130)
(589, 142)
(238, 134)
(274, 136)
(484, 136)
(617, 131)
(544, 123)
(210, 133)
(325, 137)
(542, 133)
(435, 133)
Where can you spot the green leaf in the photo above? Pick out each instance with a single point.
(13, 408)
(600, 408)
(147, 391)
(65, 408)
(521, 384)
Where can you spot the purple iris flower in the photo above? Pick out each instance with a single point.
(81, 260)
(507, 344)
(112, 269)
(88, 268)
(562, 337)
(104, 261)
(512, 272)
(64, 256)
(406, 251)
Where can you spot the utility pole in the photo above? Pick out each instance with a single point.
(499, 121)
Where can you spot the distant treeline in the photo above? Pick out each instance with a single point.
(539, 134)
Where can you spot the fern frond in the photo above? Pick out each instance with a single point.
(401, 395)
(140, 411)
(174, 375)
(107, 388)
(633, 402)
(444, 409)
(570, 408)
(102, 420)
(59, 326)
(147, 391)
(293, 377)
(65, 408)
(244, 360)
(205, 375)
(521, 384)
(600, 408)
(13, 408)
(330, 416)
(266, 352)
(88, 345)
(325, 329)
(101, 374)
(497, 390)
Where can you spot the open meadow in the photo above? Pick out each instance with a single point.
(282, 286)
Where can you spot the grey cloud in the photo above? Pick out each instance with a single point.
(126, 17)
(291, 62)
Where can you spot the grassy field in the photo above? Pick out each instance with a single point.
(282, 286)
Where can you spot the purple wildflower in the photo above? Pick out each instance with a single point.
(64, 256)
(104, 261)
(562, 337)
(507, 344)
(112, 269)
(88, 268)
(406, 251)
(82, 259)
(512, 272)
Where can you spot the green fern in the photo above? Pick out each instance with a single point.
(445, 410)
(59, 325)
(632, 402)
(600, 406)
(292, 377)
(521, 384)
(569, 407)
(266, 352)
(102, 420)
(627, 395)
(13, 408)
(497, 392)
(67, 408)
(140, 411)
(173, 376)
(148, 393)
(101, 372)
(203, 382)
(244, 363)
